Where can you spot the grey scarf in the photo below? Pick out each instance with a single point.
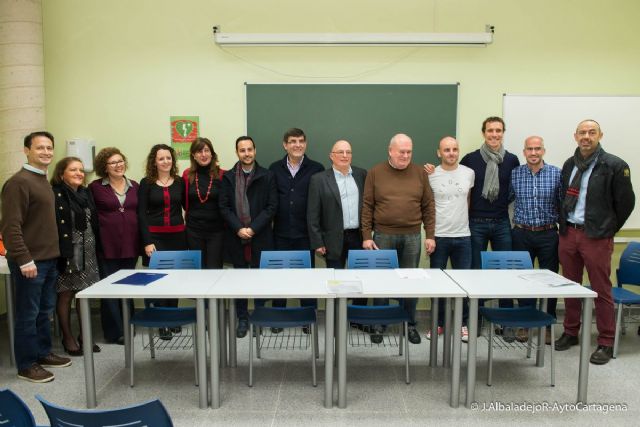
(491, 186)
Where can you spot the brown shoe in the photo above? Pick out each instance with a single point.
(522, 335)
(54, 361)
(36, 374)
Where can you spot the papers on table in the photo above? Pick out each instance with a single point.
(412, 273)
(140, 279)
(548, 279)
(344, 286)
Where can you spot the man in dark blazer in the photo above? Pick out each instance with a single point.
(334, 205)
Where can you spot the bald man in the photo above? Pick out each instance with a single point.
(451, 183)
(535, 188)
(334, 206)
(597, 200)
(397, 202)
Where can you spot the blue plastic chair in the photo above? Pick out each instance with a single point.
(284, 317)
(520, 317)
(151, 413)
(13, 410)
(382, 258)
(371, 316)
(628, 273)
(166, 317)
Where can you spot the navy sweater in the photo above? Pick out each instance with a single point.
(481, 207)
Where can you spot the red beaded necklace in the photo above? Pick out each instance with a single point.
(206, 197)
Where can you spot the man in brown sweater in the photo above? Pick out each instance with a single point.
(397, 201)
(31, 238)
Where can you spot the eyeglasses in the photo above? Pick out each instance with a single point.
(116, 163)
(343, 153)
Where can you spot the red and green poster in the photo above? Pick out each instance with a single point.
(184, 129)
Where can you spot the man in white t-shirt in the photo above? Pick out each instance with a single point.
(451, 184)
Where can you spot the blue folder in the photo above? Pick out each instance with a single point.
(140, 279)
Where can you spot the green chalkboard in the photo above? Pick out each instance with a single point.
(367, 115)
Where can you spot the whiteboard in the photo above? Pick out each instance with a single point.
(555, 117)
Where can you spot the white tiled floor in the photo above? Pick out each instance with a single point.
(377, 395)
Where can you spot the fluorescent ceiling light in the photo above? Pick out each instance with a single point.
(353, 39)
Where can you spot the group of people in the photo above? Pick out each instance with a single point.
(63, 236)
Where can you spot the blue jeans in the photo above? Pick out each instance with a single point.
(458, 249)
(35, 301)
(483, 231)
(408, 247)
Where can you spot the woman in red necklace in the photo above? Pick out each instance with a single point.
(205, 226)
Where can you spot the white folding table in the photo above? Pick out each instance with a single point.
(269, 284)
(391, 284)
(490, 284)
(176, 284)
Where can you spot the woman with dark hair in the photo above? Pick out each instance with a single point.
(205, 226)
(160, 200)
(116, 199)
(77, 233)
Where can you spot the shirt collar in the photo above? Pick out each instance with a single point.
(105, 181)
(292, 166)
(337, 172)
(30, 168)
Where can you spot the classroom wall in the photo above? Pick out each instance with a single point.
(115, 71)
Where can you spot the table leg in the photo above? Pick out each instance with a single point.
(214, 335)
(433, 357)
(126, 329)
(447, 334)
(233, 354)
(8, 290)
(328, 352)
(585, 347)
(87, 348)
(541, 335)
(201, 356)
(454, 399)
(472, 348)
(222, 325)
(342, 352)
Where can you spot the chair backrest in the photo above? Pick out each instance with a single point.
(629, 271)
(151, 413)
(13, 410)
(506, 260)
(383, 258)
(285, 259)
(176, 260)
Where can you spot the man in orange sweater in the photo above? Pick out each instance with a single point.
(397, 201)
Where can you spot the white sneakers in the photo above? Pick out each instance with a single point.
(464, 333)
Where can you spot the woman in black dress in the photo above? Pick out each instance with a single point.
(205, 226)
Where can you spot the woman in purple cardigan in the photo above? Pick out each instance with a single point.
(116, 199)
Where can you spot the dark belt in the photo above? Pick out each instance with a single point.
(486, 219)
(576, 226)
(351, 230)
(545, 227)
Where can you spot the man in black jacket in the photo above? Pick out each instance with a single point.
(598, 199)
(292, 174)
(248, 200)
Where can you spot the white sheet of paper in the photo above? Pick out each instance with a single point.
(344, 286)
(547, 279)
(412, 273)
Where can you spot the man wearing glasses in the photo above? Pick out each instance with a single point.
(335, 202)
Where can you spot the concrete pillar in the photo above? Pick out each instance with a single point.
(21, 79)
